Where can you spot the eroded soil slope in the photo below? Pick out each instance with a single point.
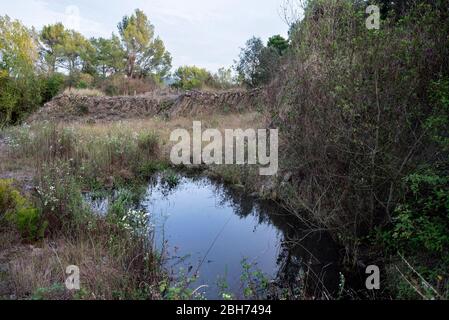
(81, 108)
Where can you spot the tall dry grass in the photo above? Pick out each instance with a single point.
(112, 266)
(84, 92)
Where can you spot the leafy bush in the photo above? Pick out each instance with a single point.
(421, 222)
(10, 198)
(420, 225)
(16, 210)
(18, 97)
(124, 201)
(52, 86)
(29, 223)
(8, 98)
(191, 77)
(438, 122)
(149, 168)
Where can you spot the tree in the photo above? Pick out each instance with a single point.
(19, 88)
(249, 61)
(156, 60)
(76, 49)
(259, 64)
(18, 50)
(278, 43)
(144, 54)
(109, 55)
(191, 77)
(223, 78)
(52, 38)
(269, 62)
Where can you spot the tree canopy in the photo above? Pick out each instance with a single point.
(278, 43)
(259, 63)
(191, 77)
(145, 54)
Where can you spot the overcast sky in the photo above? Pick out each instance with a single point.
(206, 33)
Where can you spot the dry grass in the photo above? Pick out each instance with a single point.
(108, 269)
(84, 92)
(164, 127)
(105, 149)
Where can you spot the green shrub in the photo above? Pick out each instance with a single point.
(191, 77)
(421, 219)
(8, 98)
(16, 210)
(421, 222)
(29, 223)
(10, 198)
(420, 225)
(18, 97)
(56, 291)
(52, 86)
(124, 200)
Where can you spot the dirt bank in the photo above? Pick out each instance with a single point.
(69, 108)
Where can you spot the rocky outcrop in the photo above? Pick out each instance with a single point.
(67, 108)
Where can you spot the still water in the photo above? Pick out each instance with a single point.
(211, 231)
(214, 231)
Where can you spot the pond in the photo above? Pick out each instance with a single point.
(236, 244)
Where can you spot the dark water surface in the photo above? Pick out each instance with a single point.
(212, 231)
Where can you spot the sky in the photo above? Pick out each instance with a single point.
(205, 33)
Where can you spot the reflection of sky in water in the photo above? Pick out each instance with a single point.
(203, 220)
(194, 215)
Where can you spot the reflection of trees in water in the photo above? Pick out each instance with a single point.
(308, 267)
(307, 260)
(166, 186)
(242, 204)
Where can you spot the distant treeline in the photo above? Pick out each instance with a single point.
(37, 65)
